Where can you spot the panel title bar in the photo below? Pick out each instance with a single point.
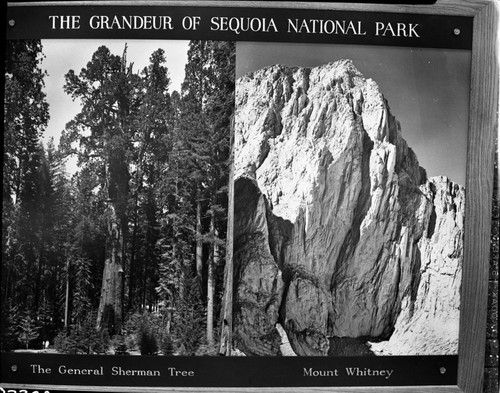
(240, 24)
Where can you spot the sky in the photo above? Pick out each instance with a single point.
(63, 55)
(427, 90)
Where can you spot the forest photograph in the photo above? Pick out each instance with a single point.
(114, 228)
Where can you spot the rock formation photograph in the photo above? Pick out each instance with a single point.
(345, 243)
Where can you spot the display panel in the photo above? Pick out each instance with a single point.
(355, 269)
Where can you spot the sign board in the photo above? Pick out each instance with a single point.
(247, 195)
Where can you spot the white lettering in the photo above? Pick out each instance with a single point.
(412, 30)
(328, 26)
(242, 24)
(367, 372)
(310, 372)
(190, 22)
(180, 373)
(65, 22)
(399, 30)
(132, 22)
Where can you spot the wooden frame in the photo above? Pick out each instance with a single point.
(483, 125)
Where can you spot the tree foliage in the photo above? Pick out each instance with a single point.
(28, 331)
(138, 232)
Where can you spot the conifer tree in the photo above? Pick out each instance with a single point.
(207, 107)
(142, 224)
(25, 118)
(28, 331)
(109, 92)
(153, 141)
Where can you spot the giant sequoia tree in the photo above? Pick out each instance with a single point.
(109, 93)
(123, 132)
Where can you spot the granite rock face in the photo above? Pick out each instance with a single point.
(338, 231)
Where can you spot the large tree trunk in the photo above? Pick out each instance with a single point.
(210, 303)
(66, 300)
(40, 259)
(110, 307)
(199, 246)
(212, 262)
(182, 286)
(132, 268)
(110, 313)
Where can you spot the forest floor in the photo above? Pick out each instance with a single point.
(49, 350)
(53, 351)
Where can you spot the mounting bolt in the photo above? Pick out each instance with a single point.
(442, 370)
(456, 31)
(12, 22)
(14, 367)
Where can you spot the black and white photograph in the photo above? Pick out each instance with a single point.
(115, 183)
(240, 196)
(349, 199)
(348, 215)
